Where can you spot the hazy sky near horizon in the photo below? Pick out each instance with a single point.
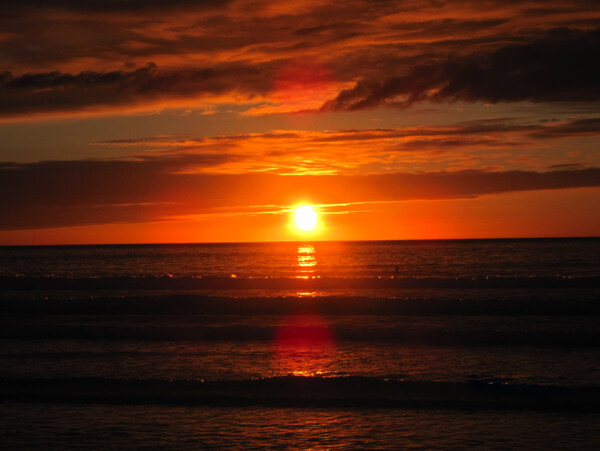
(151, 121)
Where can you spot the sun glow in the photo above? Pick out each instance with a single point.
(305, 218)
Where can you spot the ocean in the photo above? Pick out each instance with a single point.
(490, 344)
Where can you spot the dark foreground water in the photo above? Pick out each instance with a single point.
(431, 344)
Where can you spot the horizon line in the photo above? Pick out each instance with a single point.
(583, 237)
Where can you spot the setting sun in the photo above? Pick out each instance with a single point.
(305, 218)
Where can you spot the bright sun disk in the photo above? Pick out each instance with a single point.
(306, 218)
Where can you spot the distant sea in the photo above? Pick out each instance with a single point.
(322, 345)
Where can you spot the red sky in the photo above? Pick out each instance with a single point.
(148, 121)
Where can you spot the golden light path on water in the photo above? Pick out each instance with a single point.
(306, 261)
(304, 343)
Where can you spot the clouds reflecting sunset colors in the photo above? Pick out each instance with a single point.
(200, 112)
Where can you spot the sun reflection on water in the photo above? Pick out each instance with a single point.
(307, 261)
(304, 373)
(303, 345)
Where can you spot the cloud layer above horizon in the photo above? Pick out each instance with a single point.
(67, 57)
(467, 99)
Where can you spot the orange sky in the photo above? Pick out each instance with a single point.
(188, 121)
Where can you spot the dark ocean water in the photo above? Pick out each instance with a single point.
(324, 345)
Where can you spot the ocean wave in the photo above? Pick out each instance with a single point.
(400, 302)
(539, 331)
(169, 282)
(306, 391)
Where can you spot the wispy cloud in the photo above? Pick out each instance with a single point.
(56, 91)
(424, 148)
(52, 194)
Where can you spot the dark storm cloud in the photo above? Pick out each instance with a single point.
(56, 91)
(55, 193)
(563, 66)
